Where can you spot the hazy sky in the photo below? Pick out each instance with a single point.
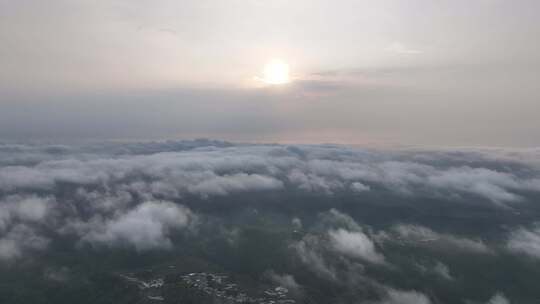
(420, 72)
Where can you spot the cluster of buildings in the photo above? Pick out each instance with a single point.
(224, 291)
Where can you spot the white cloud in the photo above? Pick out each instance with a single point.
(145, 227)
(359, 187)
(422, 236)
(9, 249)
(526, 241)
(223, 185)
(117, 199)
(438, 268)
(405, 297)
(286, 280)
(24, 208)
(493, 185)
(309, 251)
(335, 218)
(498, 298)
(32, 208)
(343, 242)
(297, 223)
(17, 214)
(111, 180)
(316, 169)
(19, 239)
(355, 244)
(443, 271)
(310, 182)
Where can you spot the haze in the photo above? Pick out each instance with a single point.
(450, 73)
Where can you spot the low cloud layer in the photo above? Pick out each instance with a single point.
(209, 170)
(104, 193)
(343, 216)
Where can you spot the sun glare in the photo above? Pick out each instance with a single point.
(276, 72)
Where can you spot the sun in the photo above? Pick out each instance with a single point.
(276, 72)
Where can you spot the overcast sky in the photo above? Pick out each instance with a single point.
(416, 72)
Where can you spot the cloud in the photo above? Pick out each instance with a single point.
(525, 241)
(23, 208)
(19, 239)
(145, 227)
(335, 219)
(286, 280)
(309, 251)
(498, 298)
(422, 236)
(355, 244)
(9, 249)
(340, 200)
(405, 297)
(223, 185)
(58, 274)
(32, 208)
(438, 269)
(95, 192)
(443, 271)
(335, 248)
(480, 181)
(313, 183)
(297, 223)
(19, 217)
(359, 187)
(207, 168)
(347, 237)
